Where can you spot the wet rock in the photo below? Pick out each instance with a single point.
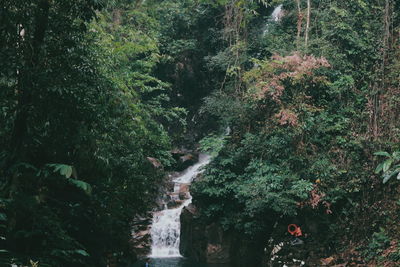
(160, 202)
(155, 162)
(183, 196)
(193, 242)
(211, 244)
(169, 186)
(174, 203)
(142, 221)
(184, 188)
(171, 204)
(167, 198)
(184, 191)
(184, 158)
(327, 261)
(191, 209)
(187, 157)
(141, 237)
(203, 243)
(219, 244)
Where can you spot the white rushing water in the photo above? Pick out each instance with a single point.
(166, 227)
(275, 17)
(277, 13)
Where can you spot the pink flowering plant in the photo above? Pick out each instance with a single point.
(284, 78)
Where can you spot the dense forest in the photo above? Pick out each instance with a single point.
(300, 113)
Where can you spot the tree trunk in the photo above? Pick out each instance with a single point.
(381, 85)
(386, 35)
(299, 22)
(25, 87)
(308, 21)
(116, 16)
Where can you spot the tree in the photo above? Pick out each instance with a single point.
(82, 111)
(308, 21)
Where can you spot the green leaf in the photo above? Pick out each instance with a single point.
(82, 185)
(387, 176)
(66, 170)
(379, 168)
(82, 252)
(3, 217)
(396, 155)
(382, 153)
(387, 164)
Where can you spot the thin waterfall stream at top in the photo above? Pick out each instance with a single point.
(165, 229)
(276, 15)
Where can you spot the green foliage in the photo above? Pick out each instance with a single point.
(67, 171)
(79, 87)
(302, 117)
(377, 244)
(390, 166)
(212, 144)
(100, 86)
(264, 167)
(265, 187)
(395, 255)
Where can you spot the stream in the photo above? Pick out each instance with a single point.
(165, 229)
(176, 262)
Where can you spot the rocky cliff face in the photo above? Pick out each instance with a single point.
(193, 241)
(141, 238)
(211, 244)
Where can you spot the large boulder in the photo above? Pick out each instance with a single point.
(219, 244)
(174, 203)
(184, 191)
(211, 244)
(184, 158)
(203, 243)
(193, 243)
(184, 188)
(141, 237)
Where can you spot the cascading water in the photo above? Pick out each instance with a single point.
(275, 17)
(165, 230)
(277, 13)
(165, 233)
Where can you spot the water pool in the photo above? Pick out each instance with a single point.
(176, 262)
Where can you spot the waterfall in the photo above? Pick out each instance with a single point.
(165, 233)
(165, 230)
(275, 17)
(277, 13)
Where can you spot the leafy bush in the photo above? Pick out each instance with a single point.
(377, 244)
(390, 167)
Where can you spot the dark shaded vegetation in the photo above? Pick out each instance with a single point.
(89, 90)
(308, 104)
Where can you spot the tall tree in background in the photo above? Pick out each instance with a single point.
(308, 21)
